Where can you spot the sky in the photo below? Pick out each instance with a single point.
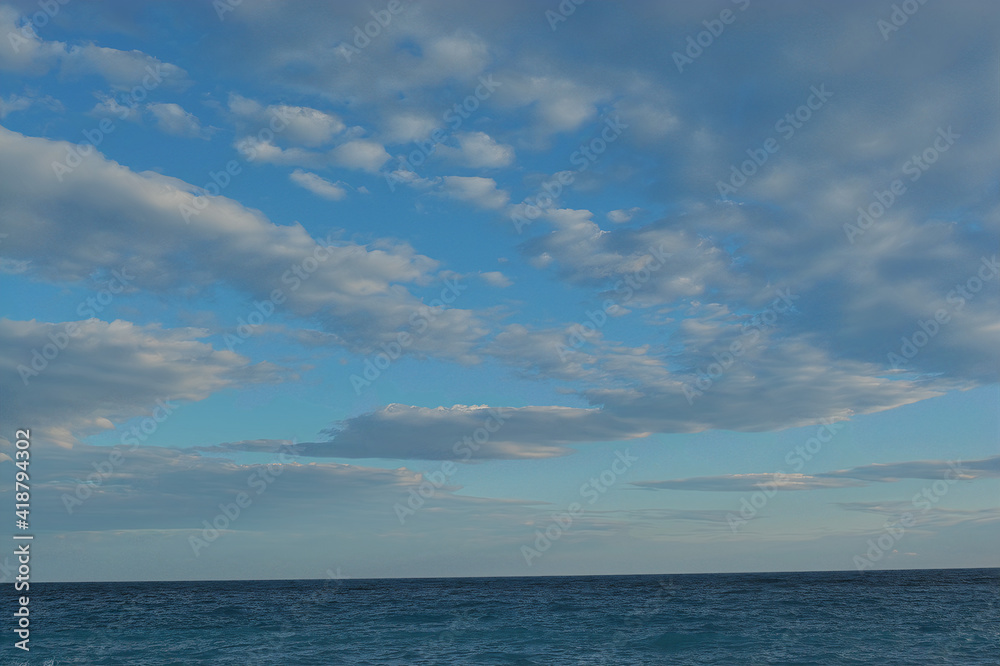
(414, 288)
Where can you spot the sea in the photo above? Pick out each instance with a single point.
(910, 617)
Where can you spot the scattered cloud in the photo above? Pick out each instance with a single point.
(985, 468)
(479, 191)
(174, 120)
(318, 186)
(622, 215)
(477, 150)
(110, 372)
(496, 279)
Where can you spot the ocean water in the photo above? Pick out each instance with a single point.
(889, 617)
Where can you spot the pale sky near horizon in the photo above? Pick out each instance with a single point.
(421, 288)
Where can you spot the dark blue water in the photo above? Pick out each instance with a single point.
(891, 617)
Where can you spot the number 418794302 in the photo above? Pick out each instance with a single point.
(22, 458)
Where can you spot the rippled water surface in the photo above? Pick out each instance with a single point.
(893, 617)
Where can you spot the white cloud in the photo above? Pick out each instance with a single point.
(723, 258)
(559, 104)
(23, 51)
(623, 215)
(461, 55)
(265, 151)
(173, 119)
(107, 373)
(295, 132)
(13, 103)
(299, 125)
(407, 127)
(986, 468)
(750, 483)
(123, 69)
(478, 150)
(361, 154)
(477, 190)
(495, 279)
(317, 185)
(109, 107)
(116, 216)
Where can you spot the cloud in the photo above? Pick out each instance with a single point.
(559, 104)
(406, 127)
(477, 150)
(109, 107)
(459, 55)
(295, 134)
(748, 482)
(985, 468)
(115, 216)
(476, 190)
(466, 433)
(496, 279)
(13, 103)
(588, 255)
(961, 470)
(300, 125)
(248, 445)
(770, 385)
(725, 256)
(361, 154)
(109, 372)
(133, 489)
(173, 119)
(936, 517)
(317, 185)
(24, 52)
(266, 151)
(123, 69)
(622, 216)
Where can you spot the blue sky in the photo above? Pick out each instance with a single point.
(427, 289)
